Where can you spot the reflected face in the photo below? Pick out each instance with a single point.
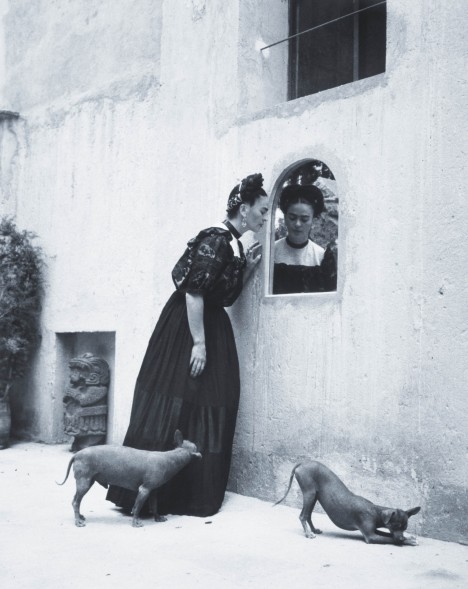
(256, 214)
(298, 221)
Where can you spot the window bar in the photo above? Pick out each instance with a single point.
(296, 54)
(322, 25)
(356, 42)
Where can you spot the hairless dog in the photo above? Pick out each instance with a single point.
(138, 470)
(347, 510)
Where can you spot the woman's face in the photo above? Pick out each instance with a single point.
(298, 220)
(256, 214)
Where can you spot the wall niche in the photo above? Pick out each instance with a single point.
(81, 415)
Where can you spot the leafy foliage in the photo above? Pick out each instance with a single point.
(20, 301)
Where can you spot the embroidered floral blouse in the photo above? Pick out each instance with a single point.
(209, 267)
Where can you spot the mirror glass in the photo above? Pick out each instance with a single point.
(304, 249)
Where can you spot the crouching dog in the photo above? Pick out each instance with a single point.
(347, 510)
(137, 470)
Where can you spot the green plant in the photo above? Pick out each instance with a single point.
(20, 301)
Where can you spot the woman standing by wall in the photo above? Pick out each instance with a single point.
(189, 379)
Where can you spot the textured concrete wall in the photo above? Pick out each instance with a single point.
(371, 380)
(9, 151)
(85, 78)
(136, 121)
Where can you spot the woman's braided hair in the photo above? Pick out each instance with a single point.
(247, 192)
(306, 193)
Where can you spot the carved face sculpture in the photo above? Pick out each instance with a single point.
(90, 370)
(85, 405)
(76, 376)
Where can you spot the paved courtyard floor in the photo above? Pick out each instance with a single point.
(247, 544)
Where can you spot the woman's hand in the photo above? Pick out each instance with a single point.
(253, 255)
(195, 307)
(197, 359)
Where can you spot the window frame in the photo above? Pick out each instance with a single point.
(294, 76)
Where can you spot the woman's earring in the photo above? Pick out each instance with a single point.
(244, 222)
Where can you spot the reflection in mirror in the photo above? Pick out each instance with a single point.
(306, 231)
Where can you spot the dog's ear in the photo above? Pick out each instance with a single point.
(413, 511)
(178, 438)
(387, 515)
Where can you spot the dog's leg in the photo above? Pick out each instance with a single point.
(309, 517)
(372, 535)
(309, 501)
(142, 496)
(154, 507)
(82, 487)
(409, 540)
(309, 496)
(372, 538)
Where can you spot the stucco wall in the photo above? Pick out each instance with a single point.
(85, 78)
(370, 380)
(138, 117)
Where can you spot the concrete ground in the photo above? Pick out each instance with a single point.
(247, 544)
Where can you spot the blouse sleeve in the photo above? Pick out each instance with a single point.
(201, 265)
(329, 267)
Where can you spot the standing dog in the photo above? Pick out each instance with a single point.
(138, 470)
(346, 510)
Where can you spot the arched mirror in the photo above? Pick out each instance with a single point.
(304, 232)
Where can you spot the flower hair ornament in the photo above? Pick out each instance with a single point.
(243, 192)
(235, 198)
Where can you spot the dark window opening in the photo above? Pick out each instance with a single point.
(349, 49)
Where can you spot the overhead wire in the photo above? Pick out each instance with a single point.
(329, 22)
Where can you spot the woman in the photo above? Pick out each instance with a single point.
(300, 264)
(189, 379)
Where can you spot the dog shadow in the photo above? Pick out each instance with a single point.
(356, 536)
(344, 536)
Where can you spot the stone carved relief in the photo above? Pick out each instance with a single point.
(85, 401)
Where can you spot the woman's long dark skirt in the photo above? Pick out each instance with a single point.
(204, 409)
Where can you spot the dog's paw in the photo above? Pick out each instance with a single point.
(411, 540)
(310, 535)
(137, 523)
(160, 518)
(317, 531)
(79, 523)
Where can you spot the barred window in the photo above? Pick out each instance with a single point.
(347, 42)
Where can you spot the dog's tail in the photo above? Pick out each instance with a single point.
(290, 483)
(68, 470)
